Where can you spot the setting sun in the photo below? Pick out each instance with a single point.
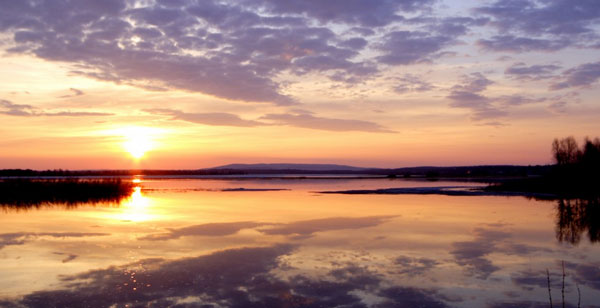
(138, 140)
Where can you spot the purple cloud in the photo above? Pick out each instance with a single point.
(526, 25)
(75, 92)
(406, 47)
(534, 72)
(555, 17)
(412, 83)
(212, 118)
(368, 13)
(582, 76)
(9, 108)
(511, 43)
(467, 95)
(329, 124)
(298, 118)
(239, 56)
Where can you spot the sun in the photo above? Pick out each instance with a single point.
(138, 140)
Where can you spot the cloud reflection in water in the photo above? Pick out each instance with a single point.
(244, 277)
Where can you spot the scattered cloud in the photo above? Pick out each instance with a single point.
(69, 257)
(521, 71)
(468, 95)
(559, 18)
(75, 93)
(210, 229)
(367, 13)
(212, 118)
(471, 254)
(307, 228)
(520, 304)
(414, 266)
(547, 26)
(515, 44)
(529, 280)
(588, 275)
(9, 108)
(582, 76)
(20, 238)
(298, 118)
(330, 124)
(409, 47)
(412, 83)
(240, 277)
(265, 52)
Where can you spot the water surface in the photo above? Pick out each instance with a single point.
(279, 243)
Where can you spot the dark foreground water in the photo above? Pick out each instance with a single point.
(279, 243)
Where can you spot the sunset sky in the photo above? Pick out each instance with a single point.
(171, 84)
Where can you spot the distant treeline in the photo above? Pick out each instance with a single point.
(575, 174)
(28, 193)
(430, 172)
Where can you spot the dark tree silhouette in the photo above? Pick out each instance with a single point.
(565, 151)
(576, 173)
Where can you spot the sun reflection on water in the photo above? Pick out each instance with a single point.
(136, 208)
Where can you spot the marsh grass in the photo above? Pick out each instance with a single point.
(562, 290)
(34, 193)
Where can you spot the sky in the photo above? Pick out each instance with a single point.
(184, 84)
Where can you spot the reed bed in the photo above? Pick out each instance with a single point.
(28, 193)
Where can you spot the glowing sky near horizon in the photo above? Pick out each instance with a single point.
(379, 83)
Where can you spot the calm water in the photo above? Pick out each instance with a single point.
(188, 243)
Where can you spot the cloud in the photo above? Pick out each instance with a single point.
(548, 26)
(15, 109)
(329, 124)
(552, 17)
(467, 95)
(517, 100)
(520, 304)
(75, 92)
(412, 83)
(213, 118)
(409, 47)
(210, 229)
(307, 228)
(582, 76)
(414, 266)
(534, 72)
(588, 275)
(20, 238)
(225, 49)
(409, 297)
(471, 254)
(74, 114)
(368, 13)
(529, 279)
(522, 44)
(9, 108)
(69, 257)
(242, 277)
(299, 229)
(299, 118)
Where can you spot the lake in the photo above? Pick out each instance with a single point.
(280, 243)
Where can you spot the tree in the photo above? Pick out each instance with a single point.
(565, 151)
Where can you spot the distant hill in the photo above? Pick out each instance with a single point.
(307, 167)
